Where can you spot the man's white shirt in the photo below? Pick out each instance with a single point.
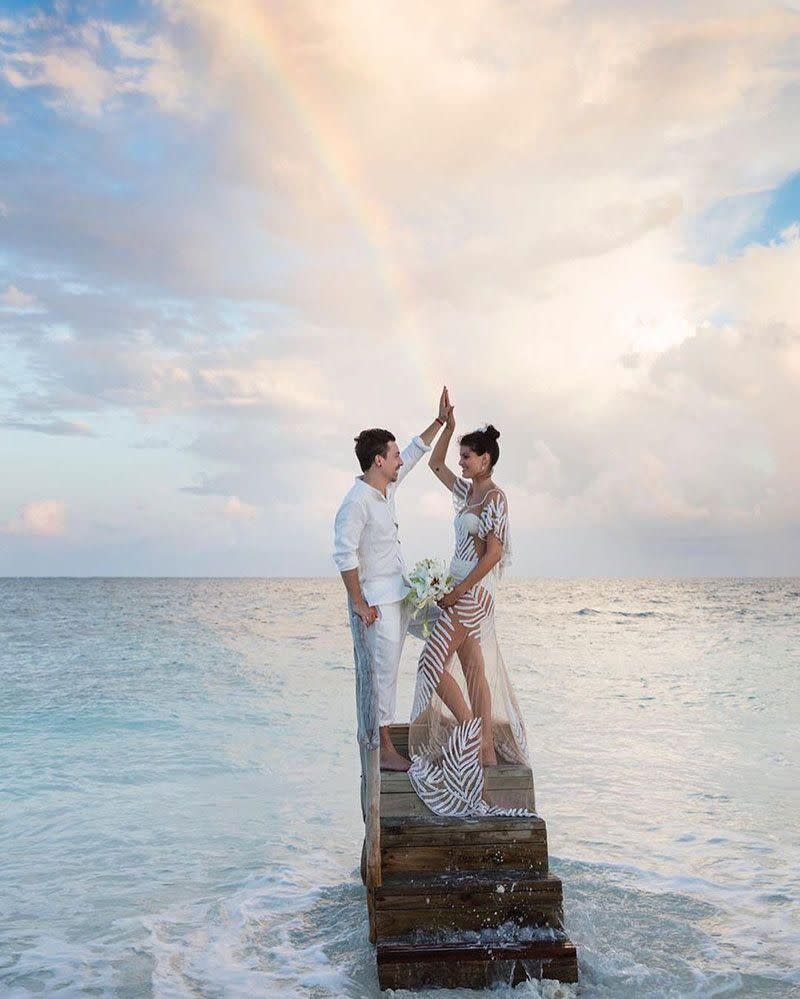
(366, 535)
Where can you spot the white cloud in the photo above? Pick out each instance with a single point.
(13, 298)
(88, 67)
(72, 73)
(55, 428)
(759, 285)
(236, 509)
(40, 519)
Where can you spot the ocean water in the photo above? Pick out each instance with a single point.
(179, 811)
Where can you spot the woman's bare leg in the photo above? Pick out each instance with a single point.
(470, 655)
(432, 673)
(450, 692)
(451, 636)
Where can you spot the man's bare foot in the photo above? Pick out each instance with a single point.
(394, 761)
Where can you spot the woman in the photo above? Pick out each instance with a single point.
(465, 720)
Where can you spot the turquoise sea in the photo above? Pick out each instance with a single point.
(179, 811)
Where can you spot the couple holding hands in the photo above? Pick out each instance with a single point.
(465, 716)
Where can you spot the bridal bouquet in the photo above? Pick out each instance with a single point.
(430, 581)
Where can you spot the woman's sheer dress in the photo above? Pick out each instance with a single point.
(464, 706)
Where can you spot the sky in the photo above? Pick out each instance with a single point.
(232, 235)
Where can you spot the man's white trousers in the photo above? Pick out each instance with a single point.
(385, 638)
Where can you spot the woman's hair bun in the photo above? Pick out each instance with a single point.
(483, 441)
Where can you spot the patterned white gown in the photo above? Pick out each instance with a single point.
(446, 770)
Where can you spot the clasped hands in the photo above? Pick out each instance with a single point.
(369, 615)
(446, 410)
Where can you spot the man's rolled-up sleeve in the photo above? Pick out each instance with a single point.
(348, 528)
(411, 455)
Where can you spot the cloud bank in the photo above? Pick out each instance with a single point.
(247, 231)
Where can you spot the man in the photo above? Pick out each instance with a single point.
(370, 559)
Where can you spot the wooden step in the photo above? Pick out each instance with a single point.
(405, 964)
(433, 844)
(473, 900)
(466, 903)
(399, 736)
(511, 783)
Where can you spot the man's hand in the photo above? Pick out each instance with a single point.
(367, 614)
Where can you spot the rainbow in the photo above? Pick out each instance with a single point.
(331, 146)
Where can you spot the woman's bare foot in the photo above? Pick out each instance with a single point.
(392, 760)
(488, 759)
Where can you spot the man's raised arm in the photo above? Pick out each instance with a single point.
(422, 444)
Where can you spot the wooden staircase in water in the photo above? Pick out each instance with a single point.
(464, 902)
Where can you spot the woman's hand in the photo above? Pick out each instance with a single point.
(450, 599)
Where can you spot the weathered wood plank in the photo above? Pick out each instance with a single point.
(477, 837)
(400, 922)
(430, 829)
(463, 903)
(394, 805)
(432, 844)
(431, 859)
(432, 821)
(399, 736)
(503, 775)
(369, 747)
(467, 888)
(415, 966)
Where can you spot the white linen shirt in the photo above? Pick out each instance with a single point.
(366, 536)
